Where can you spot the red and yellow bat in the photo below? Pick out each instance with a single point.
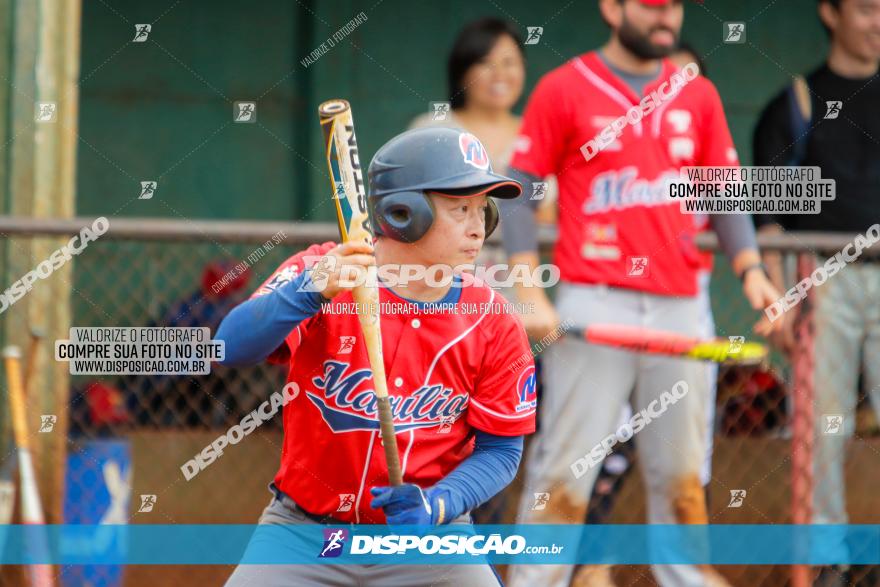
(347, 181)
(659, 342)
(31, 508)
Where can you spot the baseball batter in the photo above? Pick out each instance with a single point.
(626, 255)
(461, 396)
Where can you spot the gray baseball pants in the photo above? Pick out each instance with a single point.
(285, 511)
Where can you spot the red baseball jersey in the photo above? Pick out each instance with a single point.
(617, 224)
(449, 373)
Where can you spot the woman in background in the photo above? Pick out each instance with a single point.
(486, 73)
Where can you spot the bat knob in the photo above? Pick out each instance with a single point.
(333, 107)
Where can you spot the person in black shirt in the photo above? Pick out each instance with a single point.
(847, 147)
(831, 120)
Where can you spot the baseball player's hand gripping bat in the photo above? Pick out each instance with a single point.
(658, 342)
(31, 508)
(347, 182)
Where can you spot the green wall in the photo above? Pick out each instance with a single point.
(163, 109)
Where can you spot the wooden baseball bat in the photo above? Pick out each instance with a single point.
(347, 182)
(659, 342)
(31, 508)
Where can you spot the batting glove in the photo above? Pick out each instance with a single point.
(410, 504)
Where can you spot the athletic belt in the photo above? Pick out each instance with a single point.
(288, 502)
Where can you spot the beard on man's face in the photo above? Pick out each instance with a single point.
(640, 44)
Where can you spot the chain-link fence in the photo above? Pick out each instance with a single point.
(167, 274)
(770, 423)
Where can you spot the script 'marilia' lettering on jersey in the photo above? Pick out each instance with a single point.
(347, 405)
(617, 190)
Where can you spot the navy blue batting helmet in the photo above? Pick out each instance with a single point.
(449, 161)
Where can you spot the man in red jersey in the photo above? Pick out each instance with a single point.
(460, 374)
(615, 126)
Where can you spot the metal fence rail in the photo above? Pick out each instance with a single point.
(225, 231)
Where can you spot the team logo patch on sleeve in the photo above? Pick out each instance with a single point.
(473, 151)
(527, 390)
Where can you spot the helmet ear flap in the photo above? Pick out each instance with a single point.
(492, 216)
(402, 216)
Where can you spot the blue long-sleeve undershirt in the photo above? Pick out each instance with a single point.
(487, 471)
(256, 327)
